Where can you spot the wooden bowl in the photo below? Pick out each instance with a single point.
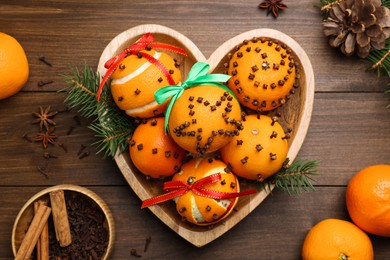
(26, 215)
(296, 114)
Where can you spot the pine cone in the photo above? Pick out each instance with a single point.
(357, 26)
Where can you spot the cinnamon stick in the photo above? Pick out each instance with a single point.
(60, 218)
(43, 241)
(33, 232)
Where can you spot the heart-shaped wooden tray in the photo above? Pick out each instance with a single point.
(296, 114)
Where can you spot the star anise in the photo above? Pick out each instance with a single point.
(46, 138)
(273, 6)
(43, 117)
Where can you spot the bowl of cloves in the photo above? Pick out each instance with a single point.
(63, 222)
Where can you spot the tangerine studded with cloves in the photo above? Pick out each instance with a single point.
(263, 73)
(136, 79)
(153, 152)
(202, 210)
(204, 119)
(259, 151)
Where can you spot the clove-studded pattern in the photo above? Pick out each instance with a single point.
(204, 119)
(260, 150)
(264, 73)
(152, 151)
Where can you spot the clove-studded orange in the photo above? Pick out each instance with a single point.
(136, 79)
(263, 73)
(203, 210)
(153, 152)
(259, 151)
(204, 119)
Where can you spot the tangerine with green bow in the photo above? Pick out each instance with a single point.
(203, 114)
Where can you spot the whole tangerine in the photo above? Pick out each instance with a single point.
(135, 81)
(368, 199)
(201, 210)
(259, 151)
(14, 69)
(153, 152)
(204, 119)
(337, 239)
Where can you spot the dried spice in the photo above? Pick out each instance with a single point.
(43, 59)
(43, 117)
(273, 6)
(46, 138)
(89, 237)
(43, 83)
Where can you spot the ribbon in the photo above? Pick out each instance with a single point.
(178, 188)
(143, 43)
(196, 77)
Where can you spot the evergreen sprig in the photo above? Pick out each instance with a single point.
(295, 177)
(109, 124)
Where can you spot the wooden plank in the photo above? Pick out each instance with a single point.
(78, 33)
(19, 158)
(347, 133)
(280, 222)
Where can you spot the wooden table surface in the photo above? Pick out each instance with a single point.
(349, 129)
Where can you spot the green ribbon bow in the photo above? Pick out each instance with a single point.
(196, 77)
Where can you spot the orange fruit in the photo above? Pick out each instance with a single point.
(13, 66)
(135, 81)
(204, 118)
(153, 152)
(368, 199)
(259, 151)
(263, 73)
(337, 239)
(202, 210)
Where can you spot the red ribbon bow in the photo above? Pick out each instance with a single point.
(143, 43)
(178, 188)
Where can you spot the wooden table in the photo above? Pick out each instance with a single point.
(349, 128)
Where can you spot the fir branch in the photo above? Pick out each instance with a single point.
(82, 89)
(380, 59)
(295, 177)
(110, 124)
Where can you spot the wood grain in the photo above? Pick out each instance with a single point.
(281, 221)
(348, 131)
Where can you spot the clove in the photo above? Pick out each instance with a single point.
(63, 146)
(27, 138)
(42, 170)
(83, 155)
(133, 252)
(43, 83)
(43, 59)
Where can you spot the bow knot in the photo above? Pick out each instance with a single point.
(143, 43)
(196, 77)
(177, 188)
